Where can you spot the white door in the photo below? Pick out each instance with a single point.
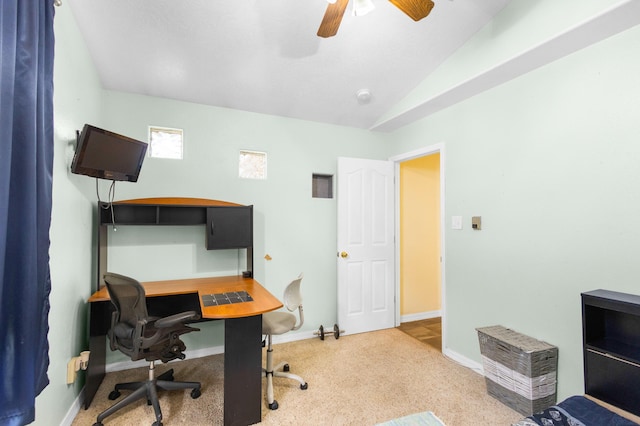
(366, 250)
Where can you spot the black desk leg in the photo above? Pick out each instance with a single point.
(243, 371)
(95, 369)
(100, 314)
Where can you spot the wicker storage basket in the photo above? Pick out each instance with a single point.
(520, 371)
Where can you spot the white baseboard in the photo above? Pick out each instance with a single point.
(420, 316)
(73, 410)
(463, 360)
(213, 350)
(195, 353)
(452, 355)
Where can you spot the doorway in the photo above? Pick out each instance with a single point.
(419, 177)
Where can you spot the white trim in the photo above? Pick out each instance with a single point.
(463, 360)
(295, 336)
(73, 411)
(619, 17)
(213, 350)
(190, 354)
(416, 153)
(397, 159)
(420, 316)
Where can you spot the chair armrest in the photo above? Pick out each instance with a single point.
(176, 319)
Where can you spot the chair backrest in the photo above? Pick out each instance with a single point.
(127, 322)
(292, 294)
(293, 299)
(128, 296)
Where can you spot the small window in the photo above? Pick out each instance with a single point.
(253, 165)
(165, 143)
(322, 186)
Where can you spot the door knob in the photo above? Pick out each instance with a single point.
(344, 254)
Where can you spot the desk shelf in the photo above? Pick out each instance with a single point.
(123, 214)
(228, 225)
(157, 212)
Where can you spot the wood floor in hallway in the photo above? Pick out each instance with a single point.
(428, 331)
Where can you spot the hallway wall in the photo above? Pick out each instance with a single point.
(420, 274)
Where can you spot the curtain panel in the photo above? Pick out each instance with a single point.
(26, 165)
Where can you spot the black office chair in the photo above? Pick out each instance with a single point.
(136, 334)
(276, 323)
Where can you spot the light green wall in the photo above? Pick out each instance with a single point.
(520, 26)
(77, 97)
(550, 162)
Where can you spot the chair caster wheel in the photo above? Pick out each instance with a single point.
(274, 405)
(98, 424)
(304, 387)
(285, 367)
(113, 395)
(195, 393)
(157, 424)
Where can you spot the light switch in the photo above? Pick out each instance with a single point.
(456, 222)
(476, 223)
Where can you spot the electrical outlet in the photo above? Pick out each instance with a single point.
(72, 367)
(76, 364)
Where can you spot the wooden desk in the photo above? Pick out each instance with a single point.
(242, 336)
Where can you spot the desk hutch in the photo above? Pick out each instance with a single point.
(228, 225)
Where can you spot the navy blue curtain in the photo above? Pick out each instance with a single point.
(26, 164)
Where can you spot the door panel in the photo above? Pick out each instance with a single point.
(366, 285)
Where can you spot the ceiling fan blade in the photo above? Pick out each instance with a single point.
(416, 9)
(332, 18)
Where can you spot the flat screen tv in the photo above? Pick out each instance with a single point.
(107, 155)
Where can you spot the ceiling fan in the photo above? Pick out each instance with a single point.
(415, 9)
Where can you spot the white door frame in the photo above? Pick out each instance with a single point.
(421, 152)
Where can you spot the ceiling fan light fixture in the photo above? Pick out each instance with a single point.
(362, 7)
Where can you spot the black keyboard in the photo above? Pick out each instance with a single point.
(226, 298)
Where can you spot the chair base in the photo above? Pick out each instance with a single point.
(281, 370)
(148, 389)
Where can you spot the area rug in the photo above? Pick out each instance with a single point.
(426, 418)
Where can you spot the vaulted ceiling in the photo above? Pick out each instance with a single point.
(264, 55)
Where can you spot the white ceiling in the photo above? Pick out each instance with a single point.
(264, 55)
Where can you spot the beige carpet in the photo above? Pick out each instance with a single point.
(360, 379)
